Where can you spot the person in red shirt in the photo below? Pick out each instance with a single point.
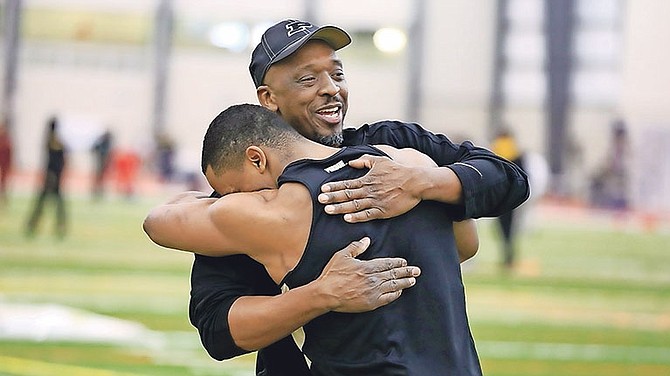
(5, 160)
(126, 165)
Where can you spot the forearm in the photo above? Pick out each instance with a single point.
(439, 184)
(258, 321)
(346, 284)
(490, 186)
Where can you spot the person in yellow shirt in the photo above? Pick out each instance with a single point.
(505, 145)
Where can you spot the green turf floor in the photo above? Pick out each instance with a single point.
(585, 299)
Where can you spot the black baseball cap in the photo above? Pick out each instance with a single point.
(286, 37)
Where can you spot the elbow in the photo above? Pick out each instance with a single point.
(146, 226)
(218, 354)
(523, 187)
(219, 348)
(467, 249)
(150, 227)
(475, 249)
(249, 344)
(469, 252)
(208, 313)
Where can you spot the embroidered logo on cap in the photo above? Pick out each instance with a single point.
(297, 26)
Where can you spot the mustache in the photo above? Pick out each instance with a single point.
(331, 99)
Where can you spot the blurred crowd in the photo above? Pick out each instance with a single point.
(116, 170)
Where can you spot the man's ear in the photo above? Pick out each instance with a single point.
(266, 99)
(257, 157)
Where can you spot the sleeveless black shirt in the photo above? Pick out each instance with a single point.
(425, 331)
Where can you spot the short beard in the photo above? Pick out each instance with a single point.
(334, 140)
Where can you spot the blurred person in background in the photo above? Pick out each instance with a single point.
(56, 158)
(101, 149)
(126, 164)
(5, 161)
(610, 185)
(235, 305)
(505, 145)
(274, 176)
(165, 156)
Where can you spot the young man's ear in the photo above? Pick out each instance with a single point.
(266, 99)
(257, 157)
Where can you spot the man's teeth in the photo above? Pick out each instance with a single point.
(332, 112)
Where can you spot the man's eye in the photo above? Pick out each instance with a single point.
(307, 80)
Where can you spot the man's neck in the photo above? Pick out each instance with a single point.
(301, 149)
(307, 149)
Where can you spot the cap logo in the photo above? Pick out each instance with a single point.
(297, 26)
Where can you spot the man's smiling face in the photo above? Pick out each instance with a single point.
(308, 89)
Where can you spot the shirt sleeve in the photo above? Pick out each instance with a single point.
(216, 283)
(491, 185)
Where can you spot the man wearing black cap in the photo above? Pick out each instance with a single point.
(234, 304)
(277, 175)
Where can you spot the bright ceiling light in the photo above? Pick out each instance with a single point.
(231, 36)
(390, 40)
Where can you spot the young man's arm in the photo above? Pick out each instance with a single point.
(220, 227)
(467, 239)
(185, 223)
(345, 285)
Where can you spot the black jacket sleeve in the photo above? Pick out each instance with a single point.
(216, 282)
(491, 185)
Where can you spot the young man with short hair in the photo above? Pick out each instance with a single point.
(271, 178)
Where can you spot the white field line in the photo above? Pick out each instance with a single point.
(570, 351)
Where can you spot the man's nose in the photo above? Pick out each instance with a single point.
(329, 86)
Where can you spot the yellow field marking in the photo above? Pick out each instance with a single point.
(29, 367)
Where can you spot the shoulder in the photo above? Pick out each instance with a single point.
(266, 206)
(241, 217)
(243, 202)
(383, 126)
(407, 156)
(394, 132)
